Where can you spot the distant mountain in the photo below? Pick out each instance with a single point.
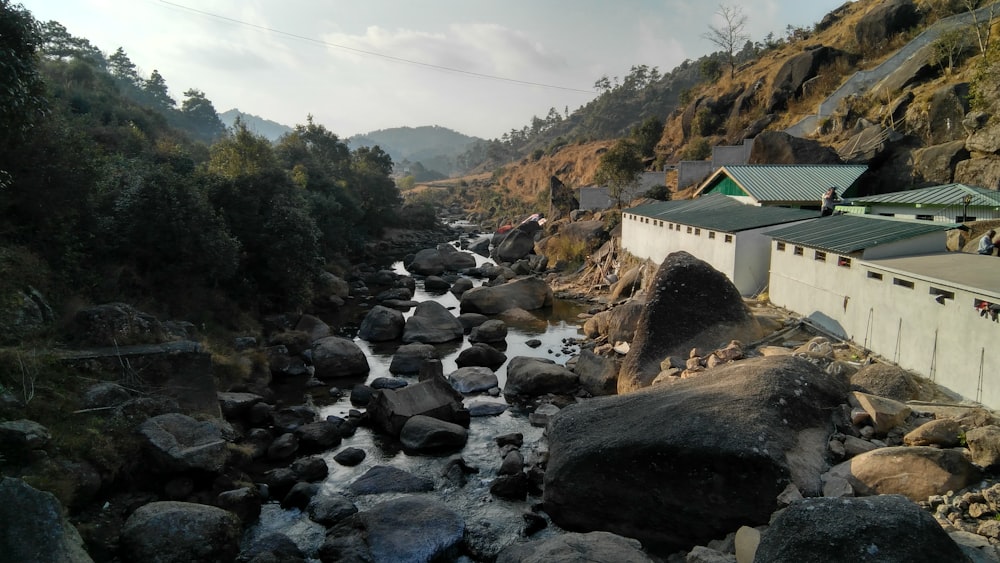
(271, 130)
(434, 147)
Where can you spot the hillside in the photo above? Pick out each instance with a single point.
(271, 130)
(434, 147)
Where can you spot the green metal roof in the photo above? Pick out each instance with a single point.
(851, 233)
(781, 183)
(721, 213)
(944, 195)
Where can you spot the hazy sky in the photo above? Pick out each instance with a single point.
(479, 67)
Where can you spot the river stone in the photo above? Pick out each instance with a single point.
(180, 532)
(382, 324)
(426, 262)
(538, 376)
(526, 293)
(34, 528)
(481, 355)
(486, 408)
(115, 324)
(410, 357)
(411, 529)
(236, 405)
(23, 434)
(424, 434)
(391, 408)
(883, 529)
(663, 465)
(915, 472)
(349, 457)
(598, 374)
(310, 469)
(493, 330)
(436, 284)
(454, 259)
(386, 479)
(460, 286)
(176, 442)
(106, 394)
(432, 323)
(244, 502)
(334, 356)
(515, 245)
(692, 305)
(467, 380)
(574, 547)
(328, 508)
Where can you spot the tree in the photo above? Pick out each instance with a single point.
(123, 68)
(241, 153)
(156, 89)
(21, 101)
(983, 28)
(948, 47)
(202, 119)
(619, 169)
(59, 44)
(647, 134)
(730, 35)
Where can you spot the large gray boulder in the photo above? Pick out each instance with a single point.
(409, 358)
(115, 324)
(411, 529)
(883, 529)
(176, 442)
(33, 527)
(691, 305)
(432, 323)
(796, 70)
(525, 293)
(915, 472)
(482, 355)
(889, 381)
(455, 260)
(180, 532)
(778, 147)
(884, 20)
(427, 434)
(598, 374)
(573, 548)
(678, 465)
(937, 163)
(382, 324)
(532, 377)
(473, 379)
(513, 246)
(387, 479)
(427, 262)
(982, 171)
(335, 356)
(391, 408)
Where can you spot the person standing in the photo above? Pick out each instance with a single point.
(829, 201)
(986, 243)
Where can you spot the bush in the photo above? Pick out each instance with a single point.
(697, 149)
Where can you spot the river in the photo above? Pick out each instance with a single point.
(491, 523)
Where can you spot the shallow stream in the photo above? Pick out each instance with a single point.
(491, 522)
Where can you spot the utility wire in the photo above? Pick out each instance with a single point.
(374, 53)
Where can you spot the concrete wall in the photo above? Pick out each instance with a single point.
(743, 259)
(691, 172)
(895, 315)
(924, 244)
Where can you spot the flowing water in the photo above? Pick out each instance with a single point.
(491, 522)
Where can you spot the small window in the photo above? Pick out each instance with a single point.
(902, 283)
(779, 246)
(964, 218)
(729, 238)
(925, 217)
(843, 262)
(874, 276)
(941, 294)
(711, 234)
(887, 214)
(798, 251)
(819, 256)
(697, 232)
(689, 229)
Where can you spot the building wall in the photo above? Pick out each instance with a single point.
(896, 316)
(924, 244)
(742, 257)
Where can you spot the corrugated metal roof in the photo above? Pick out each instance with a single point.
(852, 233)
(945, 195)
(721, 213)
(790, 182)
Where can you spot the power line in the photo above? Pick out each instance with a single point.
(374, 53)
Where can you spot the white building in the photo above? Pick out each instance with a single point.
(717, 229)
(887, 285)
(782, 185)
(957, 203)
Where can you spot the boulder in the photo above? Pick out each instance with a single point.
(486, 408)
(335, 356)
(886, 414)
(915, 472)
(662, 465)
(884, 20)
(106, 394)
(943, 432)
(409, 358)
(947, 109)
(598, 374)
(468, 380)
(24, 313)
(432, 323)
(491, 331)
(385, 479)
(573, 547)
(984, 446)
(980, 171)
(349, 457)
(886, 528)
(513, 246)
(435, 284)
(115, 324)
(562, 199)
(538, 376)
(328, 508)
(692, 305)
(776, 147)
(591, 234)
(917, 68)
(34, 527)
(176, 442)
(427, 262)
(985, 140)
(244, 502)
(411, 529)
(460, 286)
(868, 143)
(318, 436)
(889, 381)
(313, 327)
(180, 532)
(795, 72)
(456, 260)
(382, 324)
(937, 163)
(18, 436)
(526, 293)
(434, 397)
(426, 434)
(482, 355)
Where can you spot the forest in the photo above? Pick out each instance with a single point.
(110, 190)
